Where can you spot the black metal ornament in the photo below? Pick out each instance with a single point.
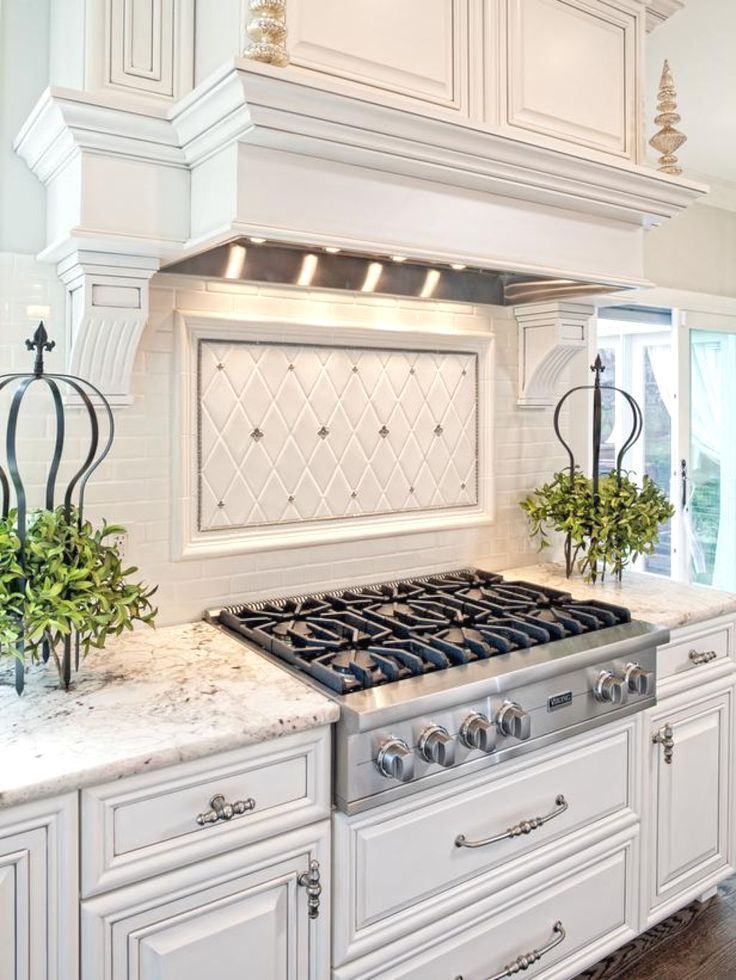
(598, 368)
(11, 482)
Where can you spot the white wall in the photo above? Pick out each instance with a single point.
(24, 61)
(133, 486)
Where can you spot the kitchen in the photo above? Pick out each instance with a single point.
(323, 272)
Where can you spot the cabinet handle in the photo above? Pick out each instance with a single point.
(526, 960)
(665, 738)
(221, 810)
(311, 880)
(699, 657)
(523, 827)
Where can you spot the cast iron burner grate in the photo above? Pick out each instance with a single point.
(364, 637)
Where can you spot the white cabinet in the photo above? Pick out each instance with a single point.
(571, 72)
(416, 48)
(38, 891)
(690, 834)
(246, 913)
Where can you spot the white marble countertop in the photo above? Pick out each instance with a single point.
(649, 597)
(150, 699)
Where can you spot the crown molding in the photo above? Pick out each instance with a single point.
(658, 11)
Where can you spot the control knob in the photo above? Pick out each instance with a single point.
(395, 759)
(477, 732)
(437, 745)
(609, 688)
(640, 681)
(514, 721)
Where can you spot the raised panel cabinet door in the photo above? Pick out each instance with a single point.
(244, 914)
(571, 73)
(150, 46)
(415, 48)
(38, 891)
(692, 798)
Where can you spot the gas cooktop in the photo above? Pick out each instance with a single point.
(360, 638)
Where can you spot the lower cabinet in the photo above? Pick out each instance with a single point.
(690, 846)
(557, 923)
(254, 912)
(38, 891)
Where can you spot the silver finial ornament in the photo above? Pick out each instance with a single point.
(266, 31)
(667, 139)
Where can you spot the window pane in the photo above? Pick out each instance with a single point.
(657, 438)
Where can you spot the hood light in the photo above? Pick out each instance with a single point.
(458, 266)
(306, 273)
(257, 241)
(332, 249)
(235, 262)
(371, 277)
(398, 258)
(430, 283)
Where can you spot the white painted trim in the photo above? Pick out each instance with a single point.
(190, 543)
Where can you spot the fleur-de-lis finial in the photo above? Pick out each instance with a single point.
(40, 343)
(598, 367)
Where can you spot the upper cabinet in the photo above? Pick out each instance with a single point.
(571, 73)
(416, 48)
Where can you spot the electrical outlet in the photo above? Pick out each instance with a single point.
(120, 541)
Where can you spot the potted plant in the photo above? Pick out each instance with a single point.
(604, 531)
(66, 581)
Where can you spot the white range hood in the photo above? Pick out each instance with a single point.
(135, 183)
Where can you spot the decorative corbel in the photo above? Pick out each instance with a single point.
(107, 310)
(550, 335)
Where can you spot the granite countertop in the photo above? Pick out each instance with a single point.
(150, 699)
(649, 597)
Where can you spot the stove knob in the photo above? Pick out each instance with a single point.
(640, 681)
(513, 720)
(609, 688)
(477, 732)
(437, 745)
(395, 759)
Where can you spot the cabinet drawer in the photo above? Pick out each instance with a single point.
(593, 902)
(695, 650)
(147, 824)
(392, 865)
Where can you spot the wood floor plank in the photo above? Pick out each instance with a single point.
(696, 943)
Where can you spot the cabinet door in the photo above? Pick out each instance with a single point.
(691, 811)
(416, 48)
(572, 73)
(38, 891)
(241, 914)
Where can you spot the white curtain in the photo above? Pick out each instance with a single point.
(713, 426)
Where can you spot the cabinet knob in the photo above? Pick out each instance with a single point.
(395, 760)
(638, 680)
(437, 745)
(699, 657)
(478, 732)
(609, 688)
(514, 721)
(220, 809)
(666, 738)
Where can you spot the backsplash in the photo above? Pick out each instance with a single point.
(290, 433)
(134, 486)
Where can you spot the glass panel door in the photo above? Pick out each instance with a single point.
(710, 487)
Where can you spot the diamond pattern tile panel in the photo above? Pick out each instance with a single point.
(292, 433)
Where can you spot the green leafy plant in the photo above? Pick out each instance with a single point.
(68, 579)
(602, 534)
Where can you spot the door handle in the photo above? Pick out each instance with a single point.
(683, 483)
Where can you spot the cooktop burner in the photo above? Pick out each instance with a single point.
(359, 638)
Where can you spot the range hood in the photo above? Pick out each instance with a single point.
(311, 166)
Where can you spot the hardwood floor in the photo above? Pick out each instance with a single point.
(697, 943)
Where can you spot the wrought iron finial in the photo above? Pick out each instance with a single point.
(40, 343)
(598, 367)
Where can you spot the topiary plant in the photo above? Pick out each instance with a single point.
(68, 579)
(603, 534)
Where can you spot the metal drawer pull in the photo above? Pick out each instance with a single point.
(523, 827)
(665, 738)
(220, 810)
(702, 657)
(522, 963)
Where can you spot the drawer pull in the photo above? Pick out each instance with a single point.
(523, 962)
(699, 657)
(665, 738)
(523, 827)
(220, 810)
